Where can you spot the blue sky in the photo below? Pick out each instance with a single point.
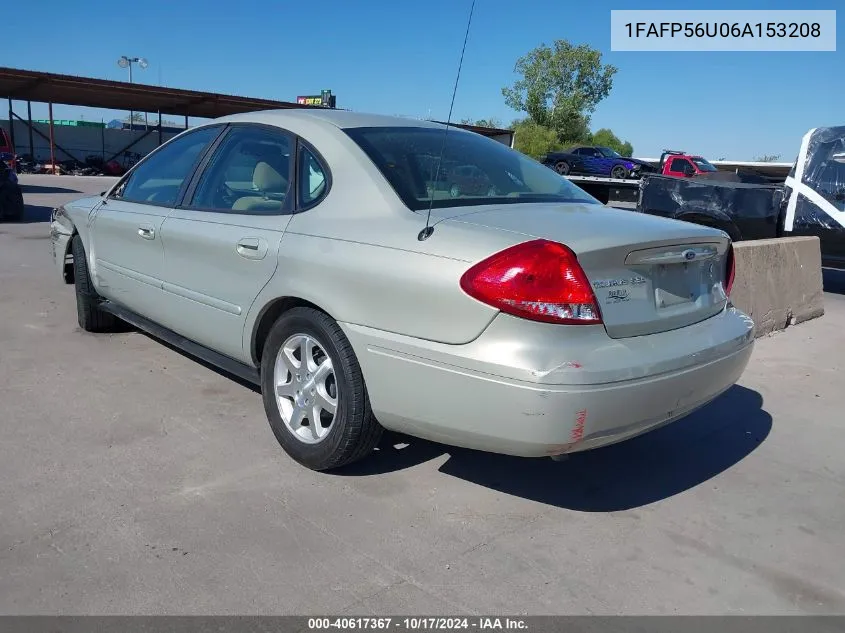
(400, 57)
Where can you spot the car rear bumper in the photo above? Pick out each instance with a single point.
(576, 406)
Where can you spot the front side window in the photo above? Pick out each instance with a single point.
(609, 153)
(703, 164)
(410, 159)
(249, 173)
(159, 178)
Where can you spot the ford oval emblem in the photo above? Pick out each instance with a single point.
(689, 255)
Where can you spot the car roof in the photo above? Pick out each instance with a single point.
(342, 119)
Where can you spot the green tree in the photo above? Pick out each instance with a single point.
(606, 138)
(768, 158)
(560, 86)
(533, 139)
(491, 122)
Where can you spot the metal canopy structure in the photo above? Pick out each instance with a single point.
(28, 85)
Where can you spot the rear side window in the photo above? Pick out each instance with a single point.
(678, 164)
(312, 178)
(249, 173)
(159, 178)
(410, 159)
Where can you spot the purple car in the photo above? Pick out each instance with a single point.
(595, 161)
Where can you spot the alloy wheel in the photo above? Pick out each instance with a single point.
(307, 390)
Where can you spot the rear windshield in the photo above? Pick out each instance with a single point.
(474, 170)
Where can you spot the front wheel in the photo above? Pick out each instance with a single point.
(619, 171)
(88, 313)
(314, 392)
(562, 167)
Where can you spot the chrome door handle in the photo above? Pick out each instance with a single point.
(147, 232)
(252, 248)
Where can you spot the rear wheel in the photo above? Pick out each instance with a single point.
(454, 191)
(314, 393)
(619, 171)
(91, 318)
(562, 167)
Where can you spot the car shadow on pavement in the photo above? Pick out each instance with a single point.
(38, 189)
(33, 214)
(834, 280)
(122, 327)
(640, 471)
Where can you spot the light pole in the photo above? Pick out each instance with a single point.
(126, 62)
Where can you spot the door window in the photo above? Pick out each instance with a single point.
(679, 165)
(312, 178)
(158, 179)
(249, 173)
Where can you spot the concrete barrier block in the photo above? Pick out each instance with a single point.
(778, 281)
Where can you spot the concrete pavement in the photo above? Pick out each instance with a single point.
(137, 481)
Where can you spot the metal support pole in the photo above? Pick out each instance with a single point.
(131, 112)
(52, 141)
(186, 121)
(29, 121)
(159, 127)
(11, 126)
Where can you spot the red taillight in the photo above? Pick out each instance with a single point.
(730, 270)
(538, 280)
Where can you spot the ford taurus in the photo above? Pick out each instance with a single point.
(305, 250)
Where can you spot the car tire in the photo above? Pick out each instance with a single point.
(353, 432)
(562, 167)
(454, 191)
(619, 171)
(91, 318)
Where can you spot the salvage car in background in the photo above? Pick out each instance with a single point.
(305, 250)
(744, 211)
(11, 196)
(595, 161)
(750, 206)
(814, 195)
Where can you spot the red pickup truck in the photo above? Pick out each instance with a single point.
(683, 165)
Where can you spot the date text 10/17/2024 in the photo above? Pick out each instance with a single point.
(418, 623)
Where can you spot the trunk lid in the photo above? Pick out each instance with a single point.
(649, 274)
